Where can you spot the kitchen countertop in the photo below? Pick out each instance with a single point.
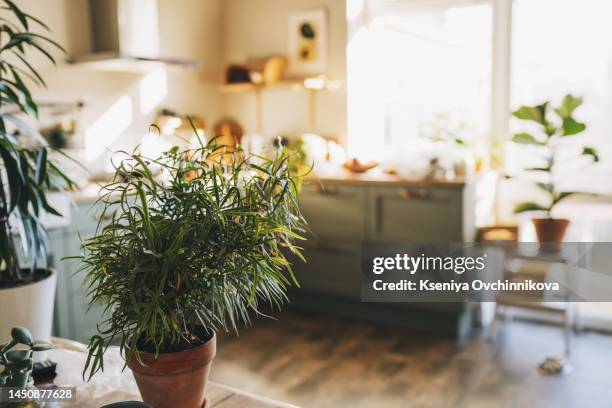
(383, 179)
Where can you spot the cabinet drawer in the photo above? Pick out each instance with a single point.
(335, 212)
(416, 214)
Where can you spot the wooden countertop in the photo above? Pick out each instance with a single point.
(384, 180)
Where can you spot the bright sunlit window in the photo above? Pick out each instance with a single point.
(419, 74)
(423, 70)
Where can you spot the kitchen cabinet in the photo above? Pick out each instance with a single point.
(344, 213)
(74, 319)
(420, 214)
(335, 212)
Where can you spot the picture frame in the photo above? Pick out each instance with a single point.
(308, 42)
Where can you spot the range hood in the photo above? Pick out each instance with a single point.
(126, 30)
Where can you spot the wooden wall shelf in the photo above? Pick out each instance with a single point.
(310, 84)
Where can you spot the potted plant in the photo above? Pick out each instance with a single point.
(25, 173)
(553, 133)
(196, 239)
(18, 364)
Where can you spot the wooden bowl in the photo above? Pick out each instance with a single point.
(355, 166)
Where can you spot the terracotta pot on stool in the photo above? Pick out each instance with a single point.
(175, 379)
(550, 231)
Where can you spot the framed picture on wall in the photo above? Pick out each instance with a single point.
(308, 42)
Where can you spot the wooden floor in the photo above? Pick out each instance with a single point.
(313, 361)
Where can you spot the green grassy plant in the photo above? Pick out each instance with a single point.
(196, 237)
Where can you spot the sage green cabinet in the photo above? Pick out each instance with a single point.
(330, 269)
(73, 317)
(335, 213)
(343, 215)
(417, 214)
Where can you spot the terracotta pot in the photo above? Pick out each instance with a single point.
(550, 230)
(175, 379)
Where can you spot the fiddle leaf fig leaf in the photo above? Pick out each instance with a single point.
(564, 195)
(534, 113)
(528, 206)
(590, 151)
(21, 335)
(568, 106)
(525, 138)
(572, 127)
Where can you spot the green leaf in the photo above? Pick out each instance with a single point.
(571, 127)
(18, 355)
(40, 345)
(15, 179)
(5, 245)
(21, 335)
(568, 106)
(545, 169)
(525, 138)
(548, 187)
(18, 13)
(534, 113)
(564, 195)
(528, 206)
(590, 151)
(41, 166)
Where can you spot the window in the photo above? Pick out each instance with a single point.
(569, 51)
(419, 74)
(417, 69)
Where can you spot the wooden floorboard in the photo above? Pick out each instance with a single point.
(314, 361)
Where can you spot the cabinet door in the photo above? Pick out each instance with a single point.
(74, 320)
(333, 270)
(61, 322)
(423, 214)
(335, 213)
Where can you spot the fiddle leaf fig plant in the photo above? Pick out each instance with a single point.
(17, 364)
(554, 129)
(26, 172)
(197, 238)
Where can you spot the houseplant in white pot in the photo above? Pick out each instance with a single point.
(554, 131)
(27, 292)
(196, 240)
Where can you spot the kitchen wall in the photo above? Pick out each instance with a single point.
(122, 99)
(261, 28)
